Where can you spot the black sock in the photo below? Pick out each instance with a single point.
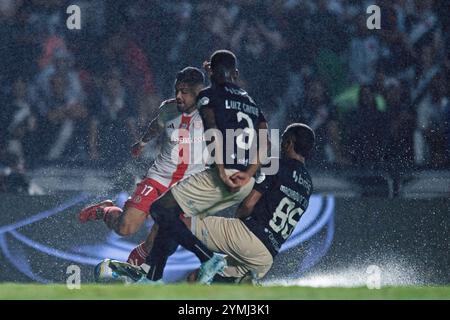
(183, 236)
(163, 246)
(190, 242)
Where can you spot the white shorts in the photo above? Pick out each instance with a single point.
(204, 193)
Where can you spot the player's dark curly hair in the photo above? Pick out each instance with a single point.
(302, 136)
(191, 76)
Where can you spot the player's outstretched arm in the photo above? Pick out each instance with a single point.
(153, 130)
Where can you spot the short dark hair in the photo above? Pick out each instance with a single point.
(223, 60)
(302, 136)
(190, 76)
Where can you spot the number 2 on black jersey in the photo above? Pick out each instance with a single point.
(249, 130)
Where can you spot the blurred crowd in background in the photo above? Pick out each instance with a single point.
(376, 98)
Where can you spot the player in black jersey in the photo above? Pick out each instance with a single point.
(232, 119)
(279, 200)
(227, 107)
(267, 216)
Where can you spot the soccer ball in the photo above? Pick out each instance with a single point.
(117, 271)
(104, 273)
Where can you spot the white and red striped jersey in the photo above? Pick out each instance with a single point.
(182, 146)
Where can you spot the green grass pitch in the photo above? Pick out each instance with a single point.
(214, 292)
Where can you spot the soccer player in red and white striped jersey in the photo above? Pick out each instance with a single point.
(180, 123)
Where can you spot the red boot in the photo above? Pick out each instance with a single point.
(94, 212)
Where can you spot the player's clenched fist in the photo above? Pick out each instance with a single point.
(240, 178)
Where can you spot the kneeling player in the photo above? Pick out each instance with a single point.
(267, 216)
